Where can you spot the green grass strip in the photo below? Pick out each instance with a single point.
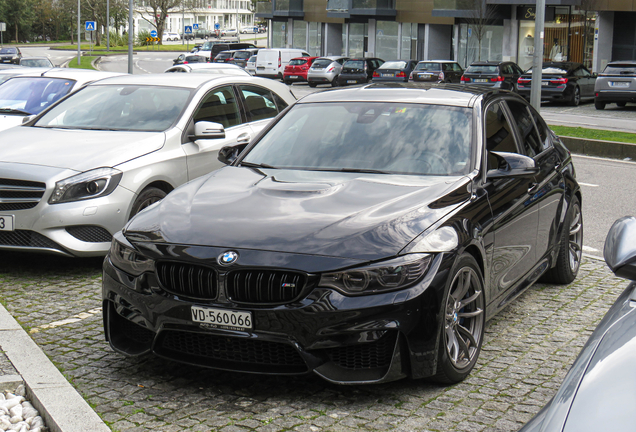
(85, 62)
(604, 135)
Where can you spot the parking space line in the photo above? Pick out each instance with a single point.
(71, 320)
(588, 184)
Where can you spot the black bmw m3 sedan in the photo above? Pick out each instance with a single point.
(366, 235)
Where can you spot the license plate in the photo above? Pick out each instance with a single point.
(222, 318)
(619, 84)
(388, 75)
(480, 80)
(352, 82)
(6, 222)
(293, 76)
(545, 83)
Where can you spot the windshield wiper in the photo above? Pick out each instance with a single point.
(255, 165)
(351, 170)
(13, 111)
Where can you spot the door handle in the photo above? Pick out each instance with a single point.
(243, 138)
(533, 187)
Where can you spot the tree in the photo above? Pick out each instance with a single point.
(19, 16)
(481, 16)
(156, 12)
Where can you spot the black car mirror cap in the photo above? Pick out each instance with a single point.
(512, 165)
(208, 130)
(620, 248)
(229, 153)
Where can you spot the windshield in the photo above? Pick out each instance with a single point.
(394, 138)
(32, 94)
(36, 63)
(393, 65)
(436, 67)
(8, 51)
(110, 107)
(482, 69)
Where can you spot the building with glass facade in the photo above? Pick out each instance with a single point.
(592, 32)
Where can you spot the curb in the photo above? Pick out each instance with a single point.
(60, 405)
(606, 149)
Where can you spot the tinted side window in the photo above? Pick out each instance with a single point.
(544, 134)
(219, 106)
(499, 136)
(259, 103)
(529, 135)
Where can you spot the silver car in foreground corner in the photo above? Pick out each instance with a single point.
(73, 175)
(598, 392)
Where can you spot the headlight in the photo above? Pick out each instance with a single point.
(389, 275)
(87, 185)
(126, 258)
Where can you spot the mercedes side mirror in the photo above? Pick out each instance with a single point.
(620, 248)
(208, 130)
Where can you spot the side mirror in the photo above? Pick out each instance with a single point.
(228, 154)
(512, 165)
(27, 119)
(208, 130)
(620, 248)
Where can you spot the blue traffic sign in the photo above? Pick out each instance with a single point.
(188, 29)
(153, 33)
(91, 25)
(217, 26)
(195, 26)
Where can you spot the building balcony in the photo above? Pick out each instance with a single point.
(378, 9)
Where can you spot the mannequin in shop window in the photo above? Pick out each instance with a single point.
(528, 45)
(555, 52)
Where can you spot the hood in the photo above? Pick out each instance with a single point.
(79, 150)
(9, 120)
(351, 215)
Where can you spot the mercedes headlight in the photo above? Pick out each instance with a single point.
(90, 184)
(126, 258)
(390, 275)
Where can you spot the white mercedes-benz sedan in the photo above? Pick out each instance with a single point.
(73, 175)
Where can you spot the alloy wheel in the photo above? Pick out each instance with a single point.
(464, 319)
(575, 240)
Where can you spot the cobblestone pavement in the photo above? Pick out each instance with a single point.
(6, 368)
(527, 351)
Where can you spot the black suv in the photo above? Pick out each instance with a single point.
(617, 83)
(358, 71)
(503, 75)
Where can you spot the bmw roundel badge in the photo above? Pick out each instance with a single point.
(227, 258)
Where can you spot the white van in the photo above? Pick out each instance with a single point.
(271, 62)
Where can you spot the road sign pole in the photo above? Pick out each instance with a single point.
(130, 36)
(107, 25)
(79, 36)
(537, 61)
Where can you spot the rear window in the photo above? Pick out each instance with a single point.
(483, 69)
(242, 55)
(252, 59)
(436, 67)
(297, 62)
(354, 64)
(617, 69)
(322, 63)
(393, 65)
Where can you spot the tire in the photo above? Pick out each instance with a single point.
(312, 85)
(147, 197)
(334, 83)
(576, 97)
(599, 105)
(621, 104)
(463, 321)
(570, 247)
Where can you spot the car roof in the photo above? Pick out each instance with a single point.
(436, 94)
(437, 61)
(190, 80)
(333, 57)
(81, 76)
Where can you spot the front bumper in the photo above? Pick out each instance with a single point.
(345, 340)
(80, 228)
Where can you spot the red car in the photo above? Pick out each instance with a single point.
(296, 70)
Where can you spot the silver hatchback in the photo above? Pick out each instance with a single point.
(325, 70)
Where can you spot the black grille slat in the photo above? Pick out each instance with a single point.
(265, 286)
(188, 280)
(20, 194)
(26, 238)
(226, 349)
(90, 233)
(365, 356)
